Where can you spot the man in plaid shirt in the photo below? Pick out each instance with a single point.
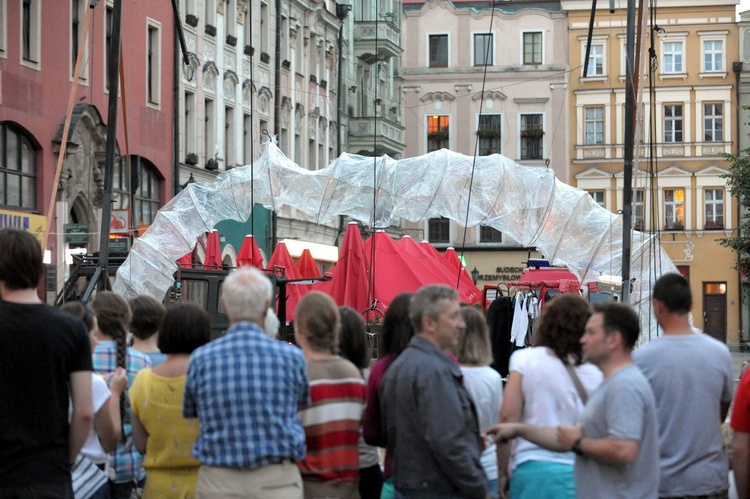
(246, 389)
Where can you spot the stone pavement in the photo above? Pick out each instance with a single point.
(737, 359)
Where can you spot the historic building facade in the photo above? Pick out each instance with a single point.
(687, 119)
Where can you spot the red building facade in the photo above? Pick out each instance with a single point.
(39, 44)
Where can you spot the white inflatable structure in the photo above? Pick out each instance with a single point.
(527, 203)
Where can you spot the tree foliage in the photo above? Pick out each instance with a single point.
(738, 181)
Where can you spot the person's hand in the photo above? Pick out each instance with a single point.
(502, 432)
(567, 435)
(118, 380)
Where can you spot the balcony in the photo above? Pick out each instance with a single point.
(368, 34)
(390, 136)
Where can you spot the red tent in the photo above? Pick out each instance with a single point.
(294, 292)
(443, 274)
(451, 257)
(349, 278)
(446, 261)
(212, 260)
(307, 266)
(249, 253)
(186, 262)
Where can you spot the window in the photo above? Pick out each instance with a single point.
(712, 122)
(107, 42)
(672, 57)
(230, 17)
(594, 125)
(17, 168)
(596, 60)
(229, 148)
(147, 196)
(674, 209)
(120, 185)
(209, 131)
(3, 27)
(438, 133)
(490, 235)
(489, 133)
(673, 123)
(713, 56)
(153, 64)
(638, 210)
(598, 197)
(190, 117)
(76, 27)
(439, 230)
(30, 42)
(210, 13)
(483, 49)
(714, 208)
(438, 51)
(247, 133)
(532, 133)
(264, 23)
(532, 47)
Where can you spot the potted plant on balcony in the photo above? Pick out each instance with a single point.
(231, 40)
(532, 132)
(264, 57)
(249, 50)
(674, 225)
(441, 134)
(210, 30)
(191, 159)
(285, 64)
(713, 224)
(489, 134)
(191, 20)
(313, 79)
(212, 164)
(323, 84)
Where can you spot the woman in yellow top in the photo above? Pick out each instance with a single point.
(159, 430)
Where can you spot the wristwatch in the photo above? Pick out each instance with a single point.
(577, 447)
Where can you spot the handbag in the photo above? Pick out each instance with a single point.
(87, 478)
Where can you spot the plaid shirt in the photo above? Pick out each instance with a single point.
(246, 390)
(126, 460)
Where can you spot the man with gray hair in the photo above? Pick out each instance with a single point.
(430, 421)
(246, 389)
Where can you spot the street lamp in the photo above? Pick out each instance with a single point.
(474, 275)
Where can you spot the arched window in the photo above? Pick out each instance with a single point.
(146, 181)
(17, 168)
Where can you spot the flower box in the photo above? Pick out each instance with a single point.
(264, 57)
(489, 134)
(191, 20)
(231, 40)
(210, 30)
(212, 164)
(532, 133)
(191, 159)
(438, 135)
(249, 50)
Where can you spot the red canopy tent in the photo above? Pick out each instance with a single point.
(349, 278)
(294, 292)
(452, 263)
(307, 266)
(451, 257)
(212, 260)
(428, 264)
(249, 253)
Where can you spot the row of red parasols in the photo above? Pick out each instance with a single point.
(366, 281)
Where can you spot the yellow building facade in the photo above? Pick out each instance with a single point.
(687, 119)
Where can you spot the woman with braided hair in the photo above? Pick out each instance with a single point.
(113, 313)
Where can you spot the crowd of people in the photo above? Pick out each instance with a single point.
(172, 414)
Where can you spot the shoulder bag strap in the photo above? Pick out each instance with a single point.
(577, 382)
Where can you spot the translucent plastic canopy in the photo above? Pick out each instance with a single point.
(527, 203)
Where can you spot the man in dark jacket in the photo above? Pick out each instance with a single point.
(429, 418)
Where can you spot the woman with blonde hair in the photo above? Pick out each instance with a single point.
(547, 386)
(337, 394)
(483, 383)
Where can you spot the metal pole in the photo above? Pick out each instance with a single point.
(277, 111)
(109, 164)
(627, 192)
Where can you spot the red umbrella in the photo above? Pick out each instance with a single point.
(452, 257)
(445, 261)
(441, 273)
(307, 266)
(186, 262)
(349, 279)
(213, 252)
(249, 253)
(294, 292)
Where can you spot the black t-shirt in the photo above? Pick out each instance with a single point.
(39, 348)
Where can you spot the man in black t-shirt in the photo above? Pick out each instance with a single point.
(45, 362)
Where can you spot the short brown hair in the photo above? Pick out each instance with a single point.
(148, 313)
(475, 348)
(561, 326)
(185, 327)
(21, 264)
(318, 315)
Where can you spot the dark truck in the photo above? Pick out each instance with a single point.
(194, 285)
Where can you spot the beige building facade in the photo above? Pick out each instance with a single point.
(687, 119)
(518, 56)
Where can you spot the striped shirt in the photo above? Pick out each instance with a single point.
(332, 421)
(126, 460)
